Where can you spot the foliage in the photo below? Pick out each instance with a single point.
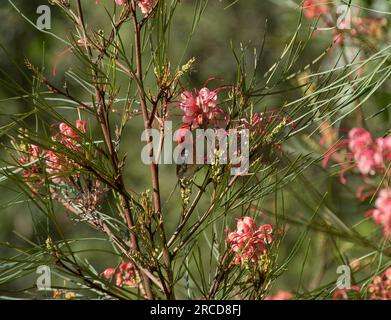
(111, 227)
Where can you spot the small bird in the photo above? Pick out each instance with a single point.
(187, 168)
(185, 172)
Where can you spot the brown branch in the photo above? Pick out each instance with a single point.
(154, 167)
(221, 272)
(102, 113)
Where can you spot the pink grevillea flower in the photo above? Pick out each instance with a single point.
(124, 276)
(383, 151)
(119, 2)
(369, 27)
(29, 160)
(201, 110)
(370, 157)
(365, 160)
(68, 131)
(343, 294)
(181, 133)
(57, 163)
(314, 8)
(380, 288)
(382, 212)
(55, 166)
(190, 108)
(259, 122)
(146, 6)
(364, 191)
(108, 273)
(248, 243)
(68, 136)
(280, 295)
(361, 146)
(359, 139)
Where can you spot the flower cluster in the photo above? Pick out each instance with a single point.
(368, 27)
(248, 243)
(280, 295)
(372, 27)
(201, 110)
(260, 122)
(146, 6)
(380, 288)
(29, 160)
(358, 26)
(313, 9)
(77, 191)
(55, 163)
(257, 123)
(371, 157)
(125, 275)
(344, 294)
(382, 213)
(121, 2)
